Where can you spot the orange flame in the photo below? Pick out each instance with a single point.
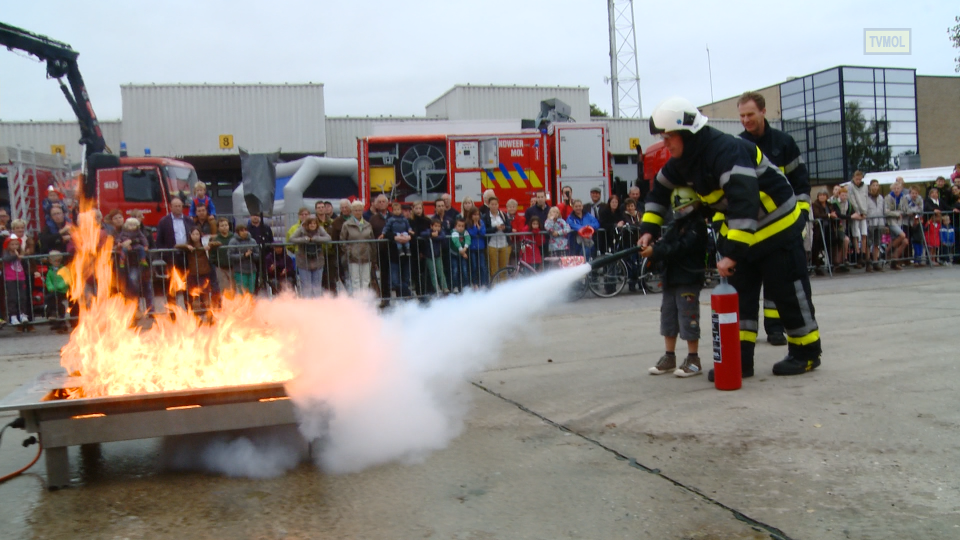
(177, 282)
(111, 356)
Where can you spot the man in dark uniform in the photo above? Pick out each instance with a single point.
(783, 152)
(759, 220)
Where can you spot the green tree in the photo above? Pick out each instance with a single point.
(954, 34)
(597, 111)
(867, 148)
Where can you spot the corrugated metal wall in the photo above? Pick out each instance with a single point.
(40, 136)
(463, 102)
(343, 131)
(176, 120)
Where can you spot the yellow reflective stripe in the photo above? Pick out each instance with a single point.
(711, 197)
(534, 179)
(804, 205)
(718, 216)
(771, 313)
(803, 340)
(759, 155)
(777, 226)
(767, 202)
(485, 182)
(724, 230)
(650, 217)
(504, 183)
(741, 236)
(782, 169)
(746, 335)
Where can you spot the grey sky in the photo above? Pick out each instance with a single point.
(384, 57)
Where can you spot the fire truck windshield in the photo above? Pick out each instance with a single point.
(180, 179)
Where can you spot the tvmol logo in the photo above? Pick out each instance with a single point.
(886, 41)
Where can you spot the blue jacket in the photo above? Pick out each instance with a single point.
(576, 224)
(478, 237)
(396, 225)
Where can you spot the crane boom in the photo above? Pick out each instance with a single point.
(61, 62)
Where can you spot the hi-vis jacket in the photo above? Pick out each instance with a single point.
(783, 152)
(754, 203)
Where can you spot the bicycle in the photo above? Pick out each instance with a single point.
(524, 269)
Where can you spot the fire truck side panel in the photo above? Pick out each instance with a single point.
(654, 159)
(513, 167)
(582, 161)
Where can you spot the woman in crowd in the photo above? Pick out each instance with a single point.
(478, 248)
(611, 217)
(577, 221)
(821, 230)
(308, 238)
(359, 251)
(200, 274)
(419, 247)
(498, 245)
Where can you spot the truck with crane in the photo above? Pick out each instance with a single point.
(126, 183)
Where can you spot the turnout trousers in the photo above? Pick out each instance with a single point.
(783, 274)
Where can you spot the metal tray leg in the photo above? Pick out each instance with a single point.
(58, 467)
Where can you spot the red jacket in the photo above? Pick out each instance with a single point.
(532, 254)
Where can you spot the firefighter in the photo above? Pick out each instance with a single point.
(759, 221)
(783, 152)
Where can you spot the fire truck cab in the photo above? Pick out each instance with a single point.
(140, 183)
(518, 165)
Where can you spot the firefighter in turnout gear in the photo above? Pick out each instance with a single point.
(759, 220)
(783, 152)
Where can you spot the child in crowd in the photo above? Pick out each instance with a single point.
(933, 238)
(221, 256)
(200, 199)
(199, 270)
(15, 281)
(534, 240)
(398, 227)
(436, 238)
(280, 270)
(310, 256)
(132, 244)
(947, 240)
(559, 233)
(56, 287)
(477, 249)
(53, 198)
(244, 254)
(460, 244)
(683, 250)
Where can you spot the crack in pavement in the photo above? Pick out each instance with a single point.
(775, 533)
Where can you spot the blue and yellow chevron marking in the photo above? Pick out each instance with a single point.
(505, 179)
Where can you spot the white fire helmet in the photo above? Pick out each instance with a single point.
(674, 114)
(683, 200)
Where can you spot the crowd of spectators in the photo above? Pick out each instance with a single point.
(397, 249)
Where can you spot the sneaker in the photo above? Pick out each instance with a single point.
(690, 367)
(14, 320)
(795, 366)
(869, 268)
(777, 339)
(666, 364)
(24, 319)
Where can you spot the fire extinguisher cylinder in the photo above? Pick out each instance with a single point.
(724, 304)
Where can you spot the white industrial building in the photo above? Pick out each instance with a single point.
(206, 124)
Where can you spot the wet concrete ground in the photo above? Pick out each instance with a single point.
(569, 437)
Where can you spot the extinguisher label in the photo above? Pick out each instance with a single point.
(717, 356)
(727, 318)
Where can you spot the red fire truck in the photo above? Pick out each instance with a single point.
(515, 165)
(654, 159)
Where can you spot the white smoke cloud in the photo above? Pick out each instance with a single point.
(375, 388)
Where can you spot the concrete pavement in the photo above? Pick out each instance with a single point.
(569, 437)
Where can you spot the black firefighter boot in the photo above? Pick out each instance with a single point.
(746, 360)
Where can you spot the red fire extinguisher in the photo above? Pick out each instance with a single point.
(724, 306)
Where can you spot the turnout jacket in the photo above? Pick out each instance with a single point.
(755, 205)
(783, 152)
